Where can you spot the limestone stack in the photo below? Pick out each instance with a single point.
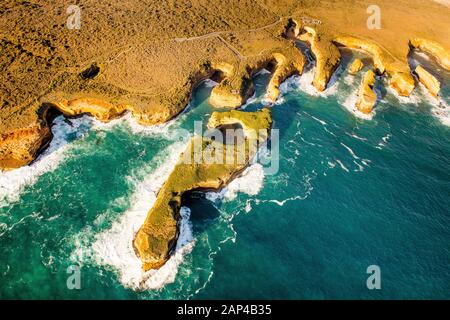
(428, 80)
(356, 66)
(366, 96)
(156, 240)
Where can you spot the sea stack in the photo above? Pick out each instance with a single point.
(156, 240)
(356, 66)
(366, 96)
(428, 80)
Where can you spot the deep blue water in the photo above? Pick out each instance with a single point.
(349, 193)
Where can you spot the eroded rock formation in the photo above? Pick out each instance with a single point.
(356, 66)
(398, 71)
(149, 62)
(434, 49)
(367, 98)
(195, 171)
(20, 147)
(237, 85)
(428, 80)
(326, 53)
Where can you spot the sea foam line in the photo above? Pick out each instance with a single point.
(113, 247)
(12, 183)
(250, 182)
(350, 104)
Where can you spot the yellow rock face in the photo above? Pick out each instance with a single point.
(197, 169)
(99, 109)
(326, 53)
(434, 49)
(366, 96)
(237, 84)
(428, 80)
(151, 60)
(20, 147)
(356, 66)
(398, 71)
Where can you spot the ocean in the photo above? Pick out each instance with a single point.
(349, 193)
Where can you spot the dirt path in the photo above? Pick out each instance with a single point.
(218, 33)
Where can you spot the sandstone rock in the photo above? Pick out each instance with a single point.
(428, 80)
(20, 147)
(237, 86)
(366, 96)
(433, 48)
(326, 53)
(286, 66)
(97, 108)
(356, 66)
(156, 239)
(400, 78)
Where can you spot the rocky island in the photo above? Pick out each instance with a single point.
(206, 164)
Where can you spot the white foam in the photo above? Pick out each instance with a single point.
(442, 112)
(137, 128)
(352, 153)
(440, 108)
(384, 141)
(250, 182)
(5, 228)
(307, 183)
(209, 83)
(349, 79)
(353, 135)
(413, 98)
(262, 71)
(113, 247)
(319, 120)
(283, 202)
(342, 165)
(12, 183)
(249, 101)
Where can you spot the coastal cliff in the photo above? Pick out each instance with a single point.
(400, 78)
(237, 86)
(19, 147)
(156, 239)
(326, 53)
(151, 61)
(434, 49)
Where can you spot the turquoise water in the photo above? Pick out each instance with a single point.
(349, 193)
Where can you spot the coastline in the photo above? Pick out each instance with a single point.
(122, 83)
(126, 85)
